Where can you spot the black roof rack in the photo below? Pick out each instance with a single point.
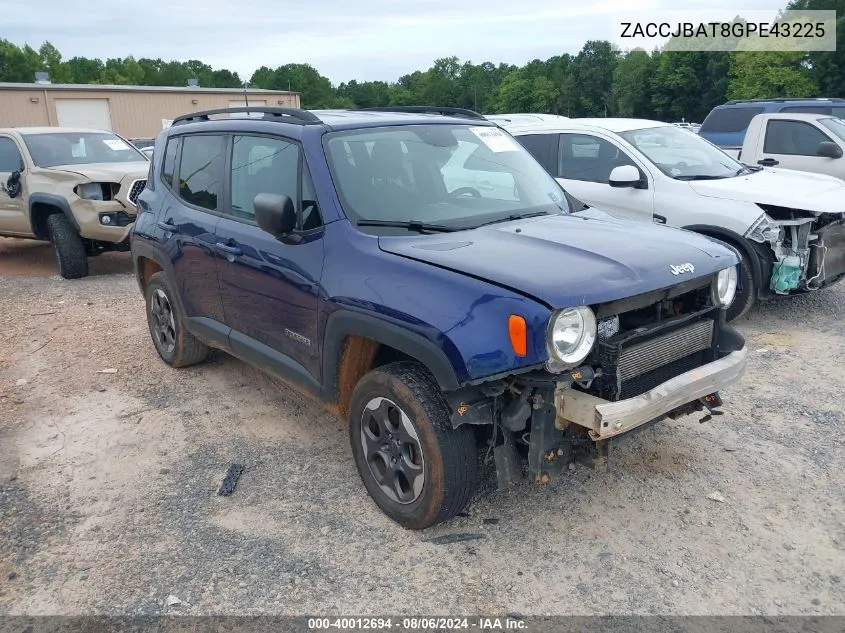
(444, 111)
(286, 115)
(785, 99)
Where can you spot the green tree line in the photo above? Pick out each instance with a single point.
(600, 80)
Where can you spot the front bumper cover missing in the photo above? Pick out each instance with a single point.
(605, 419)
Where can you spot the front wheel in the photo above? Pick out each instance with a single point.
(71, 258)
(416, 466)
(745, 296)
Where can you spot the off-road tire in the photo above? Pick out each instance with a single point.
(745, 296)
(71, 259)
(187, 349)
(449, 455)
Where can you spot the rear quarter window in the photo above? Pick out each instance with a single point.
(168, 167)
(807, 109)
(722, 120)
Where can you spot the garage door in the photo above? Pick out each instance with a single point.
(253, 103)
(89, 113)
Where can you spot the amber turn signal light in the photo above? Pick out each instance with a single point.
(519, 334)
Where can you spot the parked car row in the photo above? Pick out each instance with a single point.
(787, 226)
(436, 279)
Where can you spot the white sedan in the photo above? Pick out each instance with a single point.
(788, 226)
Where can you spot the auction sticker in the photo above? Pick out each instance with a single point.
(116, 144)
(495, 139)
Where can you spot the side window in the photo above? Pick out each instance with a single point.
(201, 170)
(725, 120)
(169, 164)
(538, 146)
(792, 137)
(262, 165)
(807, 109)
(10, 156)
(590, 158)
(271, 165)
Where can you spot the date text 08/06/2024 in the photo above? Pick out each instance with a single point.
(418, 623)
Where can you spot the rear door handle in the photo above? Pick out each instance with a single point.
(228, 250)
(768, 162)
(168, 226)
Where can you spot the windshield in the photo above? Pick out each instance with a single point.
(681, 154)
(457, 176)
(835, 125)
(79, 148)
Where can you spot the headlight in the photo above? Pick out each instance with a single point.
(570, 337)
(726, 286)
(97, 190)
(764, 230)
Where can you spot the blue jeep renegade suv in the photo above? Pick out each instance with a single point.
(422, 276)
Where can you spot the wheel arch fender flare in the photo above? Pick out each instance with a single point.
(140, 250)
(343, 323)
(51, 200)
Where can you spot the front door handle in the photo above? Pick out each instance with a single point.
(168, 226)
(768, 162)
(226, 249)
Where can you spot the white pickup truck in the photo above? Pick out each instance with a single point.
(803, 142)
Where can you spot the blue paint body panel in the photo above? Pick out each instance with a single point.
(444, 298)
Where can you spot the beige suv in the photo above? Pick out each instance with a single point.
(74, 188)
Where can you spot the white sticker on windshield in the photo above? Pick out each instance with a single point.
(495, 139)
(115, 144)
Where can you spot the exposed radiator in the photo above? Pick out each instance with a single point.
(640, 358)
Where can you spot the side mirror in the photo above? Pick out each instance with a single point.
(829, 149)
(625, 176)
(275, 213)
(13, 184)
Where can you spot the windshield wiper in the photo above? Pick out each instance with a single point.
(751, 169)
(700, 177)
(514, 216)
(411, 225)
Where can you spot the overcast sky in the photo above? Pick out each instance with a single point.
(379, 39)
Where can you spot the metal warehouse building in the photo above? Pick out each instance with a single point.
(131, 111)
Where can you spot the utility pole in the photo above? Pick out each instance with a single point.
(246, 96)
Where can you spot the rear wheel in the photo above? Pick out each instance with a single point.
(417, 467)
(176, 346)
(71, 258)
(746, 294)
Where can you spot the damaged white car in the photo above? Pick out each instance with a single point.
(788, 226)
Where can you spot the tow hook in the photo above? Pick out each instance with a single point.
(711, 403)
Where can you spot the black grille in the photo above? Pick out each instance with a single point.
(135, 190)
(640, 384)
(634, 362)
(642, 357)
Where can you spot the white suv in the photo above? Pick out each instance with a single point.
(788, 226)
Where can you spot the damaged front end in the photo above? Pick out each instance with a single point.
(662, 354)
(807, 249)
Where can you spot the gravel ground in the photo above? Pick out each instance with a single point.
(108, 485)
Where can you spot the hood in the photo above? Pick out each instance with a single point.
(108, 172)
(779, 187)
(567, 260)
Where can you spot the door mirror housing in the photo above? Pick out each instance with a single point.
(13, 184)
(275, 214)
(829, 149)
(625, 176)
